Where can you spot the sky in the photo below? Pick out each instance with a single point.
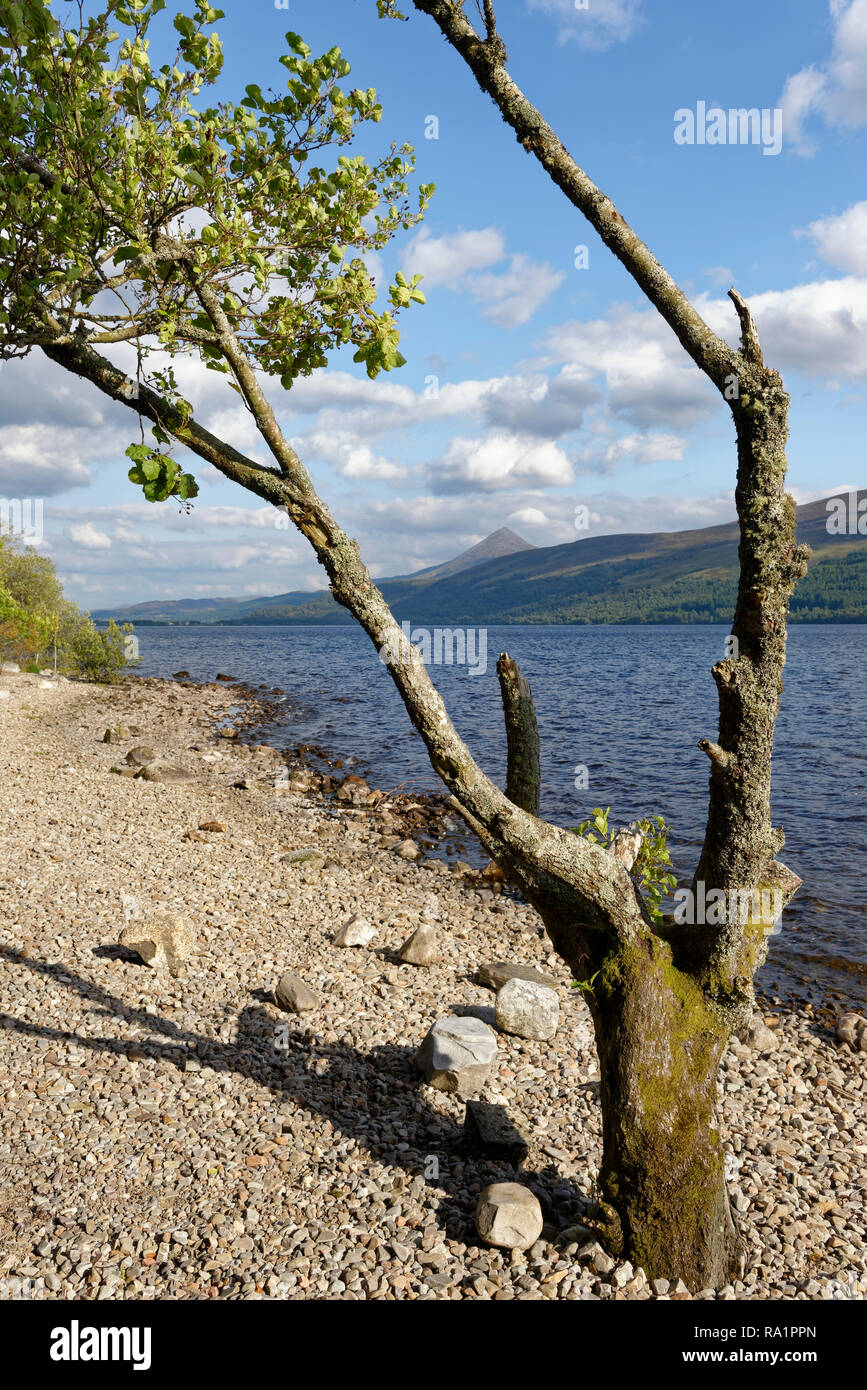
(538, 379)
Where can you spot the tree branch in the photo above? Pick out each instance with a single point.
(709, 352)
(523, 778)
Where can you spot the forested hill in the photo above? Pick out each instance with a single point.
(665, 577)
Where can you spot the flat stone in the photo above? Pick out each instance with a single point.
(456, 1055)
(294, 996)
(422, 946)
(496, 973)
(163, 772)
(310, 858)
(140, 757)
(123, 771)
(852, 1029)
(118, 734)
(164, 942)
(491, 1131)
(408, 849)
(528, 1010)
(356, 932)
(758, 1036)
(509, 1215)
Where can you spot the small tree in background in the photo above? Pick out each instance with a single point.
(132, 211)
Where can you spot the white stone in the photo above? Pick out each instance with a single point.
(356, 932)
(528, 1009)
(456, 1055)
(166, 942)
(509, 1215)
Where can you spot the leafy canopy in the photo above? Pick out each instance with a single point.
(125, 188)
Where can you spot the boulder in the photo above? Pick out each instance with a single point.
(758, 1036)
(528, 1009)
(310, 858)
(165, 942)
(456, 1055)
(141, 756)
(852, 1029)
(407, 849)
(118, 734)
(509, 1215)
(159, 771)
(293, 996)
(10, 668)
(181, 676)
(356, 932)
(497, 972)
(490, 1131)
(422, 946)
(123, 771)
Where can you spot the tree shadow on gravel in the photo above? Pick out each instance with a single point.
(375, 1097)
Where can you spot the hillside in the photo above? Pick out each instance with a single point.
(663, 577)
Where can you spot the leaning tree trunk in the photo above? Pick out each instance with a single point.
(664, 997)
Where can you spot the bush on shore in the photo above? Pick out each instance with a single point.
(38, 626)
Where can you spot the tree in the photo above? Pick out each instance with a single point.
(134, 213)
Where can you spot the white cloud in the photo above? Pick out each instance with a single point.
(837, 90)
(447, 260)
(842, 240)
(649, 379)
(633, 448)
(818, 328)
(507, 297)
(42, 460)
(86, 534)
(499, 460)
(593, 24)
(352, 459)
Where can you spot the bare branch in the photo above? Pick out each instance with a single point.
(523, 778)
(750, 345)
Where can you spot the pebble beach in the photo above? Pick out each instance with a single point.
(183, 1137)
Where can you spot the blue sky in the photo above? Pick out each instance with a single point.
(531, 385)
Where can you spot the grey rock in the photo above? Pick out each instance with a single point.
(356, 932)
(594, 1255)
(758, 1036)
(141, 756)
(10, 668)
(118, 734)
(456, 1055)
(491, 1131)
(165, 942)
(496, 973)
(294, 996)
(422, 946)
(852, 1029)
(159, 771)
(509, 1215)
(408, 849)
(310, 858)
(528, 1009)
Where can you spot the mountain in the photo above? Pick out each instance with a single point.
(662, 577)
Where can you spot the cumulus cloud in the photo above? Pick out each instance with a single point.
(594, 24)
(352, 459)
(43, 460)
(86, 534)
(632, 448)
(508, 297)
(818, 328)
(649, 379)
(842, 240)
(499, 460)
(835, 91)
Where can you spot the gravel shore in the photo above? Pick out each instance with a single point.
(184, 1138)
